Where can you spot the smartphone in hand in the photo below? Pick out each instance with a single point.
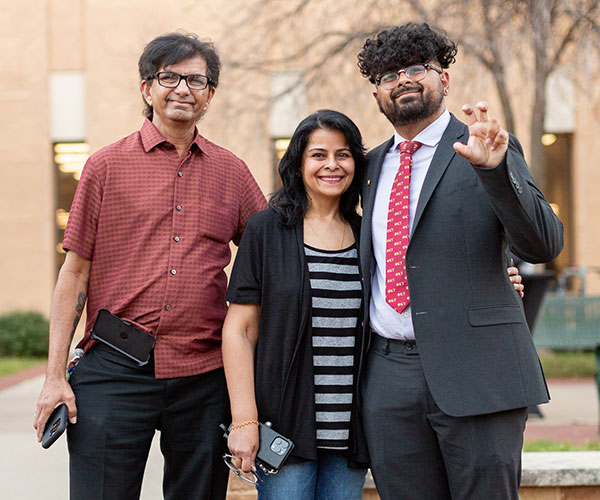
(55, 426)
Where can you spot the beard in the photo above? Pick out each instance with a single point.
(419, 107)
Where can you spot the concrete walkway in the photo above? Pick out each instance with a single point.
(28, 472)
(571, 415)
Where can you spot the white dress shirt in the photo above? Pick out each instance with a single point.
(385, 320)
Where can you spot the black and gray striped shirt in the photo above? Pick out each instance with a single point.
(336, 298)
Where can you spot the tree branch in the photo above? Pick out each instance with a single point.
(571, 33)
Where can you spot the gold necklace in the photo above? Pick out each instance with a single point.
(322, 240)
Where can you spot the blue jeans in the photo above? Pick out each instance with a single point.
(327, 478)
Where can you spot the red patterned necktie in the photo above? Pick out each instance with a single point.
(396, 285)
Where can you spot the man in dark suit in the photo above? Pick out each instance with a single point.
(451, 367)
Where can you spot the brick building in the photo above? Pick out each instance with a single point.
(70, 85)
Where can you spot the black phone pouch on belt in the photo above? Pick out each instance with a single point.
(122, 336)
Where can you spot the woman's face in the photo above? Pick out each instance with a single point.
(327, 165)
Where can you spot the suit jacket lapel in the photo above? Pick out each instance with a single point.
(376, 158)
(439, 163)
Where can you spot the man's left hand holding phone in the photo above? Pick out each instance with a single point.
(68, 304)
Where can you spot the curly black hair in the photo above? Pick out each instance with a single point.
(401, 46)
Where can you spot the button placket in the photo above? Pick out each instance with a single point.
(176, 233)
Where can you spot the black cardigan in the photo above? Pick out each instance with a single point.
(270, 270)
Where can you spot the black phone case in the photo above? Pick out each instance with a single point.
(123, 337)
(274, 448)
(55, 426)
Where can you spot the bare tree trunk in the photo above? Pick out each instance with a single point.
(497, 68)
(500, 82)
(536, 148)
(539, 17)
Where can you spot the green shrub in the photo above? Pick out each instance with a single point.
(23, 334)
(568, 364)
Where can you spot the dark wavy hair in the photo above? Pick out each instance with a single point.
(401, 46)
(173, 48)
(290, 202)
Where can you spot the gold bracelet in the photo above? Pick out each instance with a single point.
(243, 424)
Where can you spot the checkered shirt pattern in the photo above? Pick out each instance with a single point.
(396, 285)
(157, 230)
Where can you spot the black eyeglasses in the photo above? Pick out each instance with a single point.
(416, 73)
(171, 80)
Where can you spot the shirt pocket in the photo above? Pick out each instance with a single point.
(218, 218)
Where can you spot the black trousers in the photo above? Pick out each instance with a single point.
(418, 452)
(119, 407)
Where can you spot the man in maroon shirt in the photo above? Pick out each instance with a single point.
(147, 239)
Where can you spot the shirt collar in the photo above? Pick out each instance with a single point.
(151, 138)
(430, 135)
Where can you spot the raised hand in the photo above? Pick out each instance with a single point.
(488, 142)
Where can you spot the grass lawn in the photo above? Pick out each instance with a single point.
(556, 364)
(10, 365)
(549, 445)
(568, 364)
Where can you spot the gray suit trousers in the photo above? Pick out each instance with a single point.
(420, 453)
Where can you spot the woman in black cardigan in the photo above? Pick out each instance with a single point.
(291, 342)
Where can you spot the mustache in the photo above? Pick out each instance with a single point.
(403, 90)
